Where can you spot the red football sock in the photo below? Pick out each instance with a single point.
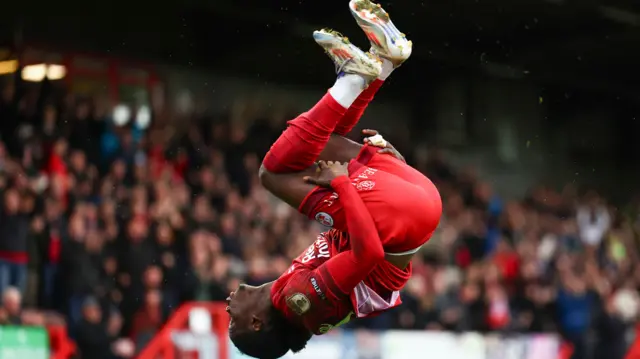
(299, 146)
(355, 112)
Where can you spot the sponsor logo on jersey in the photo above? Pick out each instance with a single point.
(298, 303)
(365, 185)
(316, 287)
(324, 219)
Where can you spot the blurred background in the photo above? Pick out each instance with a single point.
(132, 132)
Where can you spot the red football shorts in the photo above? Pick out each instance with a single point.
(405, 205)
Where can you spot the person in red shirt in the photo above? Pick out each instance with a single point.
(381, 210)
(314, 295)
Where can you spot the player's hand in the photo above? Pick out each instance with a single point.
(327, 172)
(379, 142)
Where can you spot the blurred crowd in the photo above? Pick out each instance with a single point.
(114, 226)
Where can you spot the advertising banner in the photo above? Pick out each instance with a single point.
(424, 345)
(435, 345)
(18, 342)
(522, 347)
(442, 345)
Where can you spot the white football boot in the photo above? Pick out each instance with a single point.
(348, 58)
(386, 40)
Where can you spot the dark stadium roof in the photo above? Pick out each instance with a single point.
(587, 43)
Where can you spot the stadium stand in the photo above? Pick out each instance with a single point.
(115, 227)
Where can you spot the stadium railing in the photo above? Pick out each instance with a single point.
(62, 347)
(195, 329)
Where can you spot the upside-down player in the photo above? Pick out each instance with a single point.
(381, 210)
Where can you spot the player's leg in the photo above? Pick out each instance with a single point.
(404, 204)
(299, 146)
(341, 149)
(385, 157)
(404, 213)
(291, 188)
(355, 112)
(394, 49)
(387, 42)
(374, 156)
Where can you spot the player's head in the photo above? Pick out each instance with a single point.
(257, 328)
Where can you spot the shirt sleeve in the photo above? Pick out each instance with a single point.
(350, 267)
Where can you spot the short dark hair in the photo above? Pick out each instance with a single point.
(274, 339)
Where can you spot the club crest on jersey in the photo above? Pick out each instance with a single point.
(365, 185)
(299, 303)
(324, 219)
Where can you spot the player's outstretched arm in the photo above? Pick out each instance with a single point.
(349, 268)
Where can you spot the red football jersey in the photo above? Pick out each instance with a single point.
(307, 294)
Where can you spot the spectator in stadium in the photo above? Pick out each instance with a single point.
(11, 310)
(80, 263)
(149, 222)
(148, 319)
(14, 236)
(85, 130)
(91, 336)
(203, 282)
(121, 347)
(593, 222)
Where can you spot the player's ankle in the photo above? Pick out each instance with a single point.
(347, 88)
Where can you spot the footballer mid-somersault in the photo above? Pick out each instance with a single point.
(381, 210)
